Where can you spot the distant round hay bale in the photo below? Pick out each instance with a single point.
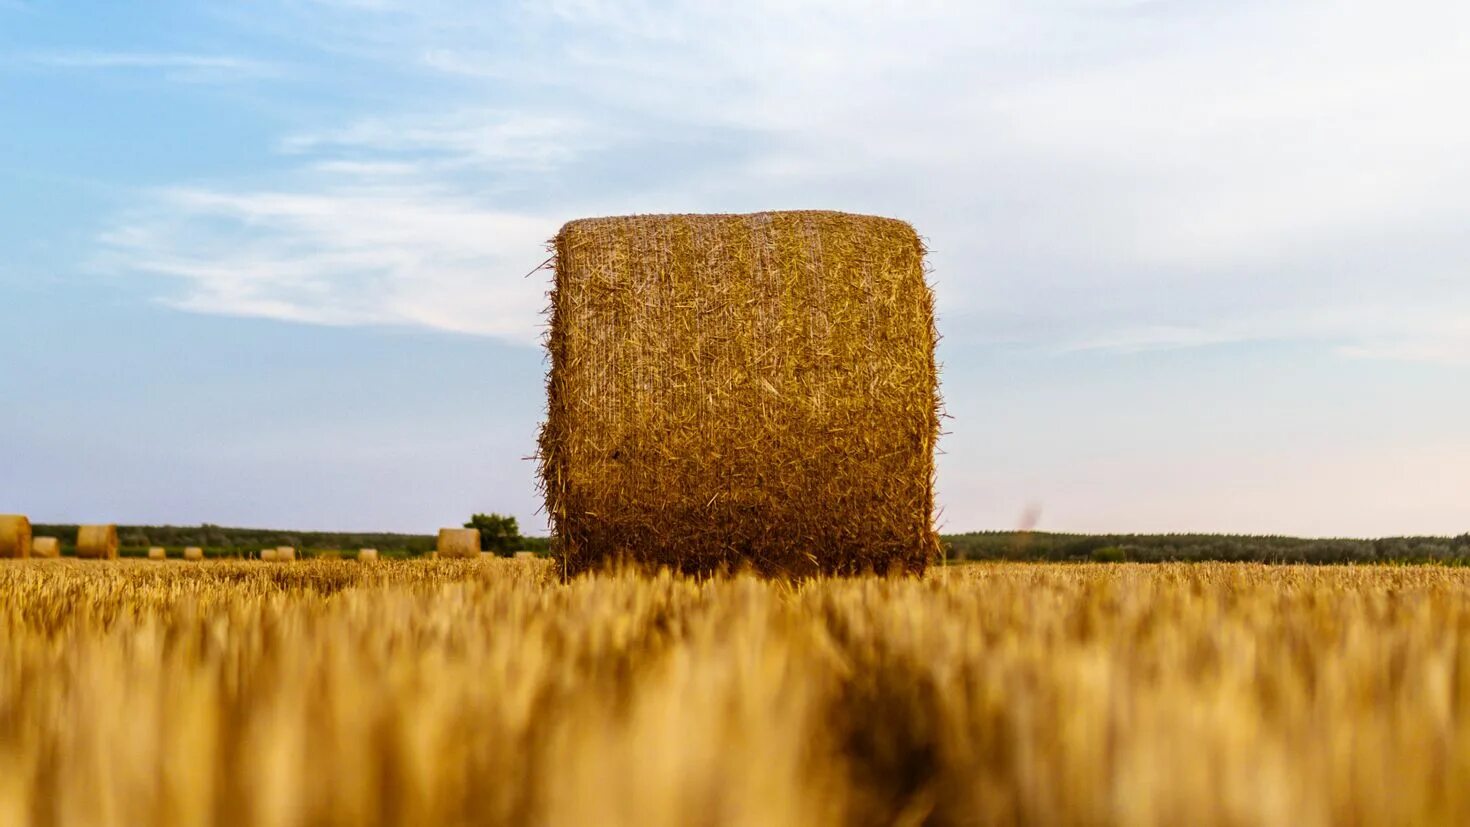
(285, 554)
(193, 553)
(459, 542)
(15, 536)
(268, 554)
(45, 547)
(157, 553)
(742, 390)
(367, 555)
(97, 542)
(525, 555)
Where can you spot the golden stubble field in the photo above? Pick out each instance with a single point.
(447, 692)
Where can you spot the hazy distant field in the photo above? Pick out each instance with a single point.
(420, 692)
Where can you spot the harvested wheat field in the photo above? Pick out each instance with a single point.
(456, 692)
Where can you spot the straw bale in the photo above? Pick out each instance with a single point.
(45, 547)
(285, 554)
(367, 555)
(193, 553)
(459, 542)
(742, 390)
(157, 553)
(15, 536)
(97, 542)
(268, 554)
(525, 555)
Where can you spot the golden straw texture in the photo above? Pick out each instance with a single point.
(285, 554)
(193, 553)
(367, 555)
(733, 390)
(157, 553)
(15, 536)
(45, 547)
(97, 542)
(459, 542)
(268, 554)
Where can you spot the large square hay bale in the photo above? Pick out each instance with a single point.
(46, 547)
(459, 542)
(15, 536)
(733, 390)
(97, 542)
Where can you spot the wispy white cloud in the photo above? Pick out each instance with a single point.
(195, 67)
(1090, 174)
(394, 256)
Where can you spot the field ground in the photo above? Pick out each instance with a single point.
(447, 692)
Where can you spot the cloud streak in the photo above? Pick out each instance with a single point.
(1091, 175)
(194, 67)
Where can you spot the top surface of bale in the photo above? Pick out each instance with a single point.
(730, 390)
(97, 542)
(459, 542)
(15, 536)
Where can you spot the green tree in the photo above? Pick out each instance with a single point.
(497, 533)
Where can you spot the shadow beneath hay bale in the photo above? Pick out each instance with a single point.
(737, 564)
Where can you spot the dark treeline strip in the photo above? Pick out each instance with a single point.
(223, 541)
(978, 545)
(1037, 545)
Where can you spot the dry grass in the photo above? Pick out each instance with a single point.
(456, 692)
(742, 390)
(98, 542)
(15, 536)
(45, 547)
(459, 543)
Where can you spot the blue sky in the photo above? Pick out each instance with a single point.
(1200, 265)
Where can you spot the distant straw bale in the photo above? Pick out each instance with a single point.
(45, 547)
(525, 555)
(268, 554)
(459, 542)
(97, 542)
(157, 553)
(742, 390)
(193, 553)
(367, 555)
(15, 536)
(285, 554)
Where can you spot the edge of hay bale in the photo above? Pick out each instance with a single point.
(268, 555)
(15, 536)
(97, 542)
(459, 542)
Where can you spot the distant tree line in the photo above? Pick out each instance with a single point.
(224, 541)
(1038, 545)
(500, 535)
